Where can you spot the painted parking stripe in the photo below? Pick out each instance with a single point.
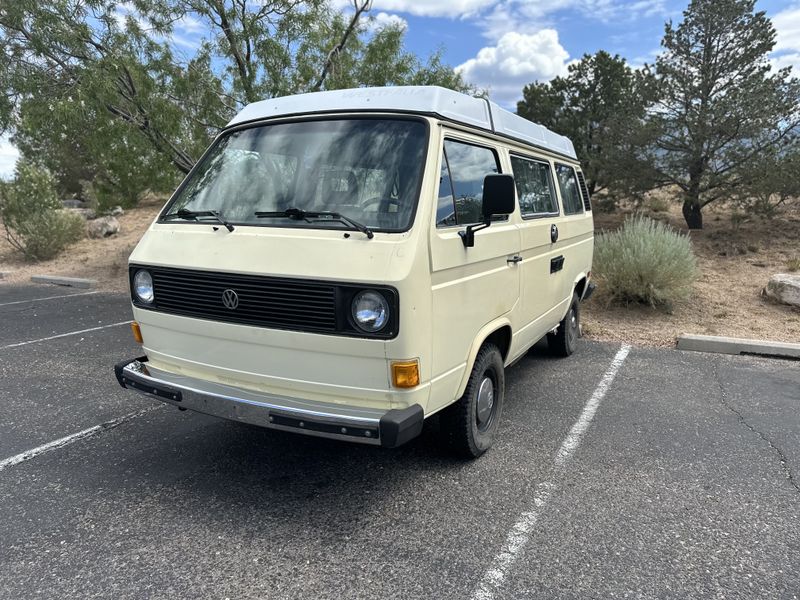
(61, 335)
(71, 439)
(518, 536)
(48, 298)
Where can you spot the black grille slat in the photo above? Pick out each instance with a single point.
(244, 285)
(214, 294)
(243, 312)
(263, 301)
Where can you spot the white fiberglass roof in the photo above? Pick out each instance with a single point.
(432, 100)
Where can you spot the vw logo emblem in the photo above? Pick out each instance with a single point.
(230, 299)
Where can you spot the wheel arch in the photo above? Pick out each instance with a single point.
(498, 332)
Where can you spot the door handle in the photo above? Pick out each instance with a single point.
(514, 259)
(556, 264)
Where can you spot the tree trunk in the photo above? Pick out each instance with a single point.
(691, 203)
(692, 213)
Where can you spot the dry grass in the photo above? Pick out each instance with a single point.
(735, 259)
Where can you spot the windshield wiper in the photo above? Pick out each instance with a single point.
(185, 213)
(316, 217)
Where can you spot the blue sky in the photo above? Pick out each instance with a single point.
(501, 45)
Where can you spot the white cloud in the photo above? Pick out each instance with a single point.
(517, 60)
(382, 19)
(8, 158)
(526, 16)
(787, 45)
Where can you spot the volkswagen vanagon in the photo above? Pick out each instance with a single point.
(349, 263)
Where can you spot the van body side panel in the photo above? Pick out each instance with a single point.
(470, 287)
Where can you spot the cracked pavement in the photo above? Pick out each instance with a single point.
(684, 485)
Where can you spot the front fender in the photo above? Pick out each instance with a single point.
(480, 338)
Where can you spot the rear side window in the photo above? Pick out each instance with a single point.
(534, 187)
(570, 193)
(463, 168)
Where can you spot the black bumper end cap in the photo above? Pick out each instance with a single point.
(401, 425)
(121, 365)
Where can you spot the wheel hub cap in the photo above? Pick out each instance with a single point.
(485, 400)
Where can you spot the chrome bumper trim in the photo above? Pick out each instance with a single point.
(266, 410)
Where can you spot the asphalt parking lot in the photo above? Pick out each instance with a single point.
(641, 473)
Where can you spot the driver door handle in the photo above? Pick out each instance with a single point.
(514, 259)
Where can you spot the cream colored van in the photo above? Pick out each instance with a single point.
(347, 264)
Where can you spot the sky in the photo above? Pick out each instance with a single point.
(502, 45)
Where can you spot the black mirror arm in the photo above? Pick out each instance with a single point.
(468, 235)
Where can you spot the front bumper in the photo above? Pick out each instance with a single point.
(365, 425)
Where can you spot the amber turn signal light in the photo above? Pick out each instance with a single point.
(137, 332)
(405, 374)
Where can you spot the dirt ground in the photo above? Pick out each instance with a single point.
(105, 260)
(736, 258)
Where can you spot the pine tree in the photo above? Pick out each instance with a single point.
(720, 103)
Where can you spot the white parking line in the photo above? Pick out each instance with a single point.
(517, 538)
(61, 335)
(70, 439)
(48, 298)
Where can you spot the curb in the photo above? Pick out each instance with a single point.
(729, 345)
(66, 281)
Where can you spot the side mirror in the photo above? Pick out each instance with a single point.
(499, 198)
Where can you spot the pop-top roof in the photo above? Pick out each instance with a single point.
(431, 100)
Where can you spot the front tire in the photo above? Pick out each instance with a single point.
(564, 341)
(470, 424)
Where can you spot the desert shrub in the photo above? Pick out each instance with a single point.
(658, 204)
(793, 264)
(32, 216)
(646, 262)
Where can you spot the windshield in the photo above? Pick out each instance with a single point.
(365, 169)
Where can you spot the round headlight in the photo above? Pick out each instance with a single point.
(370, 311)
(143, 286)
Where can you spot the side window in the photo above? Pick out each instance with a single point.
(446, 208)
(534, 187)
(570, 194)
(467, 166)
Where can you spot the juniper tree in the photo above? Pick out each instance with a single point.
(594, 105)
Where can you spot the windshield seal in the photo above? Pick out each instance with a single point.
(201, 164)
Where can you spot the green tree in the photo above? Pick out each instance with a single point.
(32, 217)
(106, 75)
(720, 106)
(593, 105)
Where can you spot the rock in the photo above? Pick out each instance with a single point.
(102, 227)
(72, 203)
(86, 213)
(785, 288)
(117, 211)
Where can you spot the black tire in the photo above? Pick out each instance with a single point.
(564, 341)
(468, 432)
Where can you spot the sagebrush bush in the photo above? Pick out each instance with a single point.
(644, 261)
(32, 216)
(658, 204)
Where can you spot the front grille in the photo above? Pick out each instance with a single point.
(262, 301)
(274, 302)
